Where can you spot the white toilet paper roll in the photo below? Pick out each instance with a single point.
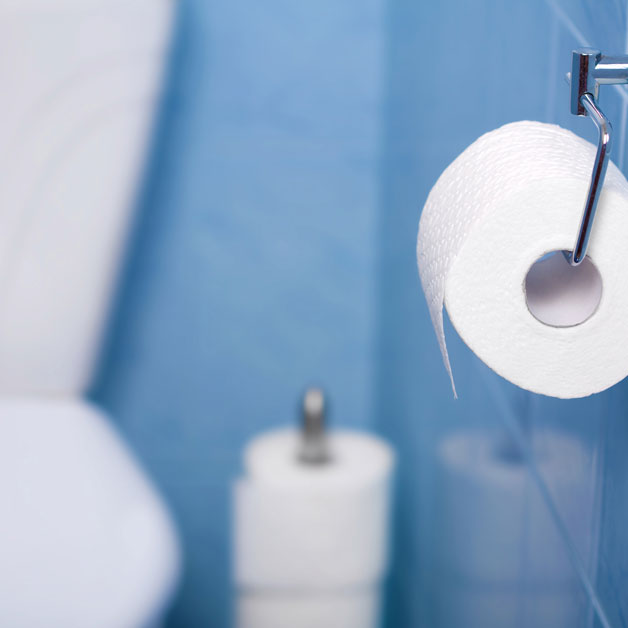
(514, 195)
(305, 527)
(348, 609)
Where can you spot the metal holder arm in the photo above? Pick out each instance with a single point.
(597, 177)
(590, 69)
(314, 447)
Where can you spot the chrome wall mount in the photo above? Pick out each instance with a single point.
(590, 69)
(314, 447)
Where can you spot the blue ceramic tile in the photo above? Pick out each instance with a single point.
(275, 246)
(252, 273)
(597, 23)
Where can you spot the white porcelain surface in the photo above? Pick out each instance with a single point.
(84, 540)
(80, 81)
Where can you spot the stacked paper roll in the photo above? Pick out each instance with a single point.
(513, 196)
(355, 608)
(500, 560)
(311, 541)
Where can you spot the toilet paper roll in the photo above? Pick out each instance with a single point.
(514, 195)
(304, 527)
(495, 530)
(350, 609)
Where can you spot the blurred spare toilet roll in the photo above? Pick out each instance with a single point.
(312, 537)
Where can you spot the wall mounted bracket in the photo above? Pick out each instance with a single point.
(590, 69)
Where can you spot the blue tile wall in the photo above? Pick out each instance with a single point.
(495, 63)
(274, 247)
(601, 419)
(252, 272)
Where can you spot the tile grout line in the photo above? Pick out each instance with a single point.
(568, 24)
(598, 501)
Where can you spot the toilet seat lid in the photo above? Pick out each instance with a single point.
(85, 540)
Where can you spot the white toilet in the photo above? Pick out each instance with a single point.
(84, 538)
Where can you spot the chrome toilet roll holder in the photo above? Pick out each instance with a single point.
(314, 446)
(590, 69)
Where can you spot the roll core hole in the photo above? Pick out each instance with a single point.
(561, 295)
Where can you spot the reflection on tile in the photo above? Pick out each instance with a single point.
(600, 24)
(612, 563)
